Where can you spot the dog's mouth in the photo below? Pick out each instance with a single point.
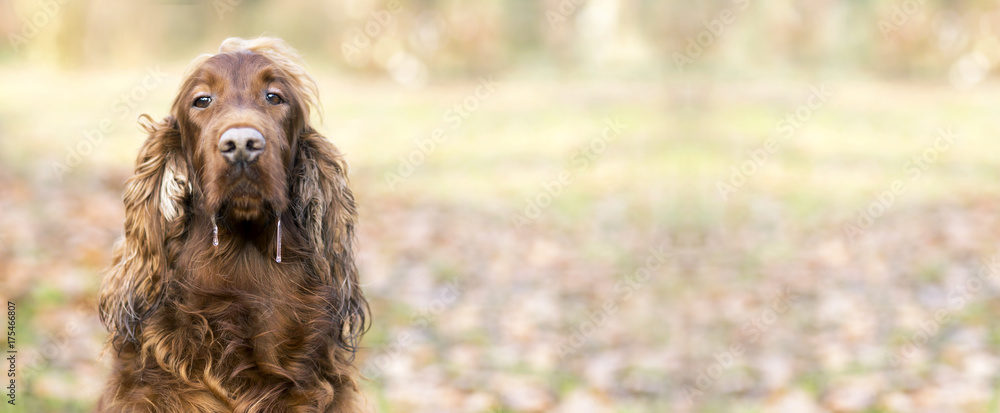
(247, 192)
(244, 202)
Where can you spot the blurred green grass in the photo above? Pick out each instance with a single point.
(528, 132)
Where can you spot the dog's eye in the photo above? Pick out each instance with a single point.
(202, 101)
(274, 99)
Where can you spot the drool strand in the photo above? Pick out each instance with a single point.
(215, 233)
(278, 257)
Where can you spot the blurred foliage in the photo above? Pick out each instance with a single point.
(444, 38)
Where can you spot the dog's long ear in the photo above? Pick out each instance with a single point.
(155, 198)
(324, 206)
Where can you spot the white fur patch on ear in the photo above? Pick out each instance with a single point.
(173, 189)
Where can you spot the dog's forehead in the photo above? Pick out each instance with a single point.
(235, 66)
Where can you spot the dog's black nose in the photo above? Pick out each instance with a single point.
(241, 145)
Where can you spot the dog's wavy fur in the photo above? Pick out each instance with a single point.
(202, 328)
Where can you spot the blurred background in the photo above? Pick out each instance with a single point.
(635, 205)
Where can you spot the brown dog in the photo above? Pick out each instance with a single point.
(235, 288)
